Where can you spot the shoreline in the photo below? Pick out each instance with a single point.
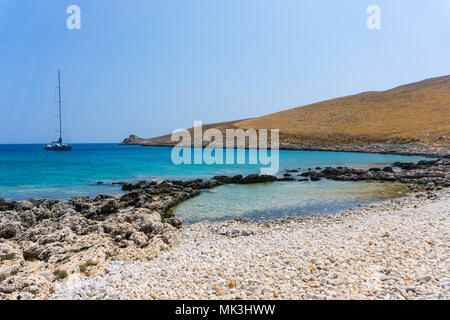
(420, 150)
(393, 250)
(48, 242)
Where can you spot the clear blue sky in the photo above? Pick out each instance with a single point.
(151, 66)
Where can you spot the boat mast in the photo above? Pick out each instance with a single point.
(59, 102)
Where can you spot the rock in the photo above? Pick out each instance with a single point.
(22, 205)
(233, 233)
(9, 286)
(428, 172)
(428, 163)
(228, 180)
(130, 198)
(4, 205)
(314, 178)
(176, 222)
(11, 260)
(10, 230)
(52, 235)
(130, 186)
(250, 179)
(132, 140)
(286, 179)
(254, 178)
(140, 239)
(425, 279)
(150, 223)
(200, 184)
(33, 251)
(232, 284)
(109, 206)
(424, 164)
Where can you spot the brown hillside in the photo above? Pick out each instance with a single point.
(415, 112)
(418, 112)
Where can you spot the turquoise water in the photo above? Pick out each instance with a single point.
(280, 199)
(27, 171)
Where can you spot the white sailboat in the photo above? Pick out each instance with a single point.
(59, 145)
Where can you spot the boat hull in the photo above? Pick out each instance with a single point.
(58, 148)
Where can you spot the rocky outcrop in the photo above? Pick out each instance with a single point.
(424, 164)
(43, 242)
(3, 205)
(250, 179)
(132, 140)
(435, 172)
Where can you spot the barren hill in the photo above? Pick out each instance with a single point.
(417, 113)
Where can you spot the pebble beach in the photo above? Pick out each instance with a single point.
(397, 249)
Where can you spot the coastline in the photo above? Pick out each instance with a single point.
(224, 159)
(421, 150)
(394, 250)
(46, 243)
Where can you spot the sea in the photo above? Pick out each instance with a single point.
(28, 171)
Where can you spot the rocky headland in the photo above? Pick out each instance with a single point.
(411, 119)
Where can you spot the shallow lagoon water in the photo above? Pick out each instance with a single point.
(280, 199)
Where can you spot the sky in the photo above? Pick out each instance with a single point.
(148, 67)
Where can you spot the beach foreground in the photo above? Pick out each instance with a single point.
(394, 250)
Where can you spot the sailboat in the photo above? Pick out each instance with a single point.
(59, 145)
